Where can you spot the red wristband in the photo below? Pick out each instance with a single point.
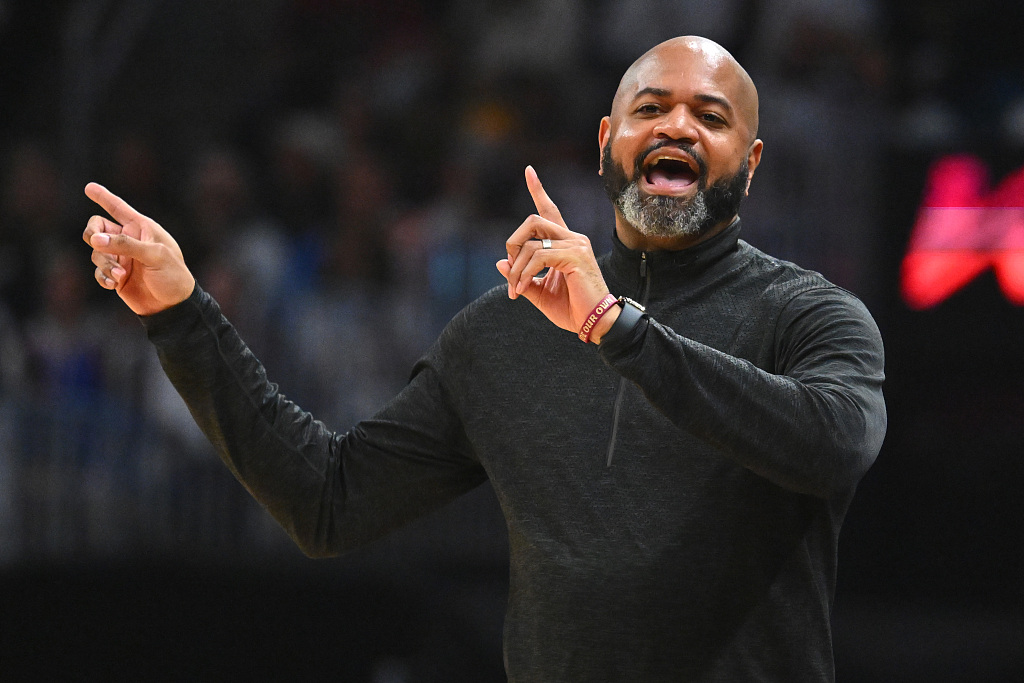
(603, 307)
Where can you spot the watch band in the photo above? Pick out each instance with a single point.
(623, 300)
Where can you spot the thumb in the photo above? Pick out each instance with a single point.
(124, 245)
(533, 290)
(505, 268)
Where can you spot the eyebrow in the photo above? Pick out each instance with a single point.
(657, 92)
(703, 97)
(715, 99)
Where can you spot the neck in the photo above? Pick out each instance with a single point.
(633, 239)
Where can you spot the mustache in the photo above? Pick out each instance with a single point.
(702, 165)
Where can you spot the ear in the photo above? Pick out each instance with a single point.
(753, 159)
(604, 133)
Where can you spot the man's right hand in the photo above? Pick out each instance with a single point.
(135, 257)
(573, 285)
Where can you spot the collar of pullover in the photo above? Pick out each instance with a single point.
(672, 266)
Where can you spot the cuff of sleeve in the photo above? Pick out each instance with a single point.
(627, 328)
(176, 317)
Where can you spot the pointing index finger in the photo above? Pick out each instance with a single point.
(545, 207)
(111, 203)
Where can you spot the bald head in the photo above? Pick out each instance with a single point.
(702, 57)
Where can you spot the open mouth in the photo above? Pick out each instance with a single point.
(670, 174)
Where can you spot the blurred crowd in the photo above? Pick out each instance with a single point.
(341, 176)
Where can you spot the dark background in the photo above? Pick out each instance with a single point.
(359, 161)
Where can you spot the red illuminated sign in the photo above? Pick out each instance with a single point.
(962, 229)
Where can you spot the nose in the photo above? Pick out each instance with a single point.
(677, 124)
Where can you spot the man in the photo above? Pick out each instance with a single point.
(673, 488)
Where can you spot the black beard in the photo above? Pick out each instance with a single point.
(666, 216)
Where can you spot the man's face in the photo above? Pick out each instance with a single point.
(678, 149)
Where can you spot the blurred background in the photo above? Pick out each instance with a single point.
(341, 175)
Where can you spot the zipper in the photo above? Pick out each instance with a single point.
(645, 293)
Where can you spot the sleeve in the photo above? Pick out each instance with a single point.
(330, 491)
(814, 426)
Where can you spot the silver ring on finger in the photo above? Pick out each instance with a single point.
(545, 243)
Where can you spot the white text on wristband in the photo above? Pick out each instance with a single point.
(603, 307)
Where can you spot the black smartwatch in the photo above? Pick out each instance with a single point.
(632, 313)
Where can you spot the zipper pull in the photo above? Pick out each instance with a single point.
(643, 265)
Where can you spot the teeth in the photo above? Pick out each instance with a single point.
(666, 157)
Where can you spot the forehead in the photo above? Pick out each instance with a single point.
(687, 69)
(680, 69)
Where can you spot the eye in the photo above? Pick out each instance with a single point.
(712, 118)
(648, 108)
